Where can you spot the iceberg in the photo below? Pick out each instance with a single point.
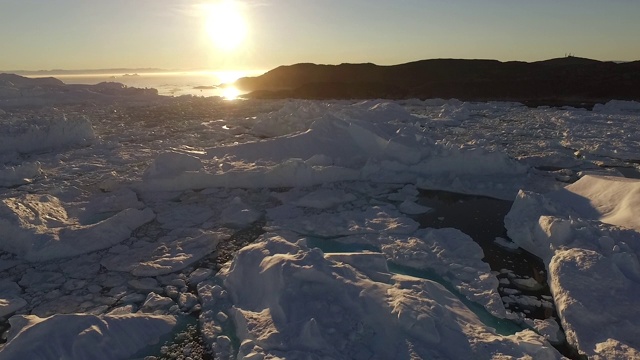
(588, 236)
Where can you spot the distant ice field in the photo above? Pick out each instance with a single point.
(198, 83)
(295, 229)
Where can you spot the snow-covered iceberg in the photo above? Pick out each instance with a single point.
(365, 141)
(140, 221)
(290, 301)
(38, 228)
(19, 91)
(588, 236)
(18, 175)
(27, 135)
(80, 336)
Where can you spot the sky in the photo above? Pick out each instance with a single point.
(263, 34)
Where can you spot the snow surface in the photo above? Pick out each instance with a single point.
(612, 200)
(164, 257)
(354, 142)
(453, 255)
(17, 91)
(120, 207)
(80, 336)
(18, 175)
(594, 272)
(26, 135)
(290, 301)
(38, 228)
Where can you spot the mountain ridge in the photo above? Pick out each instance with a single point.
(568, 80)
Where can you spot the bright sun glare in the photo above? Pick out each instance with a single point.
(230, 93)
(225, 24)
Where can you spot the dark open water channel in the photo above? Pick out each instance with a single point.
(482, 218)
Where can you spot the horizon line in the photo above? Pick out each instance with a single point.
(118, 70)
(149, 70)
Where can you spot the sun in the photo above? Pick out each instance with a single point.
(225, 24)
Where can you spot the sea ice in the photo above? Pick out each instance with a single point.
(548, 328)
(78, 336)
(38, 228)
(324, 198)
(18, 91)
(10, 305)
(166, 256)
(37, 134)
(593, 267)
(617, 107)
(172, 163)
(298, 303)
(238, 214)
(411, 208)
(357, 142)
(504, 243)
(612, 200)
(343, 170)
(373, 219)
(527, 284)
(199, 275)
(452, 255)
(18, 175)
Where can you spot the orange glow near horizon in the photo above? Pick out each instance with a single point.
(230, 93)
(230, 76)
(225, 24)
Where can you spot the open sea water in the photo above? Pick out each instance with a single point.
(177, 83)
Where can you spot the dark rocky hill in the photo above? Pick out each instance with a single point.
(562, 81)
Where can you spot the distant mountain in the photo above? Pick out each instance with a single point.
(569, 61)
(563, 81)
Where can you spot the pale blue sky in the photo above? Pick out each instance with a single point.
(89, 34)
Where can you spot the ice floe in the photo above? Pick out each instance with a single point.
(18, 175)
(166, 256)
(297, 302)
(453, 255)
(27, 135)
(122, 213)
(354, 144)
(79, 336)
(594, 273)
(38, 228)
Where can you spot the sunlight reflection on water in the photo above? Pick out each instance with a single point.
(198, 83)
(231, 93)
